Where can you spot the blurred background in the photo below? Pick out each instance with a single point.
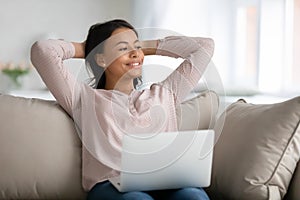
(257, 42)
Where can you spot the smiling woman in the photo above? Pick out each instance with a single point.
(112, 107)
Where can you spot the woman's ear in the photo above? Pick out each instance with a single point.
(99, 58)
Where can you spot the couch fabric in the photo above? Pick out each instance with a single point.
(257, 152)
(254, 158)
(294, 191)
(40, 151)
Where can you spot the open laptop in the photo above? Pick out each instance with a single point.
(166, 160)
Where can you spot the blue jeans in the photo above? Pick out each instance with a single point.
(106, 191)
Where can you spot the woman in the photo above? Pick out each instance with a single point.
(113, 107)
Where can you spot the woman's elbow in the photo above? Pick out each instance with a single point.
(38, 51)
(210, 46)
(206, 45)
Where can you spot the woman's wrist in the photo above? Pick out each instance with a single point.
(149, 47)
(79, 49)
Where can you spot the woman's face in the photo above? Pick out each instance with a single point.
(123, 55)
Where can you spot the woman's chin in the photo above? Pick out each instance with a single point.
(135, 73)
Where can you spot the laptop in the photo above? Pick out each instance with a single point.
(167, 160)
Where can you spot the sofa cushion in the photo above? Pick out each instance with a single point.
(198, 112)
(40, 152)
(294, 192)
(257, 151)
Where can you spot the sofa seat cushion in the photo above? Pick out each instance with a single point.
(257, 150)
(40, 151)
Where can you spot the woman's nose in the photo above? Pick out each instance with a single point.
(134, 53)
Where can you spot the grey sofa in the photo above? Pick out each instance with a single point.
(40, 151)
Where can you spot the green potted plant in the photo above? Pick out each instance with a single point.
(15, 71)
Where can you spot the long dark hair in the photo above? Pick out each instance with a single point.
(97, 34)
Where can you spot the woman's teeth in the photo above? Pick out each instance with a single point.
(134, 64)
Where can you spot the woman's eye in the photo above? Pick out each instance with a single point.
(126, 48)
(123, 49)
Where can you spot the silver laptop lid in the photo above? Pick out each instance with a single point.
(167, 160)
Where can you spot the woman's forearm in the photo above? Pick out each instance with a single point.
(196, 52)
(79, 49)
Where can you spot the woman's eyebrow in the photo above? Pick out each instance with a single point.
(124, 42)
(121, 42)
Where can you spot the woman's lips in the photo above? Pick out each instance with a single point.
(134, 65)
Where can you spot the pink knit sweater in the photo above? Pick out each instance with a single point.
(103, 116)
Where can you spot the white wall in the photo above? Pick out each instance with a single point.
(23, 22)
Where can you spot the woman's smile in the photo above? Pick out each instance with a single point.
(134, 65)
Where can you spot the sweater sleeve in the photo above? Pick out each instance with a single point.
(196, 52)
(47, 56)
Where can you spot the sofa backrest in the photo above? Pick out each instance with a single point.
(40, 151)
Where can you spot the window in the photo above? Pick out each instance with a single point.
(246, 46)
(257, 41)
(296, 46)
(267, 46)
